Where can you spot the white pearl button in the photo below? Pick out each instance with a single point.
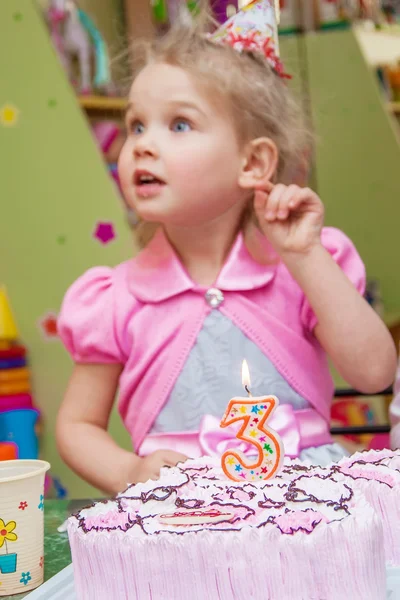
(214, 297)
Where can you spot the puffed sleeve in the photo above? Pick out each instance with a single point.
(86, 323)
(346, 256)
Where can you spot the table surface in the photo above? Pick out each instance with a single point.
(57, 554)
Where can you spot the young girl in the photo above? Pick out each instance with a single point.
(239, 266)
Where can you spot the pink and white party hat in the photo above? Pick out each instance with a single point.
(254, 28)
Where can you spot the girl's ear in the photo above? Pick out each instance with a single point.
(260, 162)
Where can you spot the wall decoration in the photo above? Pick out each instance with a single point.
(104, 232)
(48, 326)
(9, 115)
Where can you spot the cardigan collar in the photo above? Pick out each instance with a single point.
(157, 273)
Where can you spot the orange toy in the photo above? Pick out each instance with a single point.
(8, 451)
(9, 375)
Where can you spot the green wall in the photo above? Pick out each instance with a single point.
(357, 149)
(358, 157)
(53, 190)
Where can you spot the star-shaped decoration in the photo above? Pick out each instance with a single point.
(238, 468)
(48, 325)
(268, 448)
(264, 470)
(253, 433)
(243, 409)
(254, 409)
(255, 420)
(9, 115)
(231, 461)
(243, 475)
(263, 438)
(104, 232)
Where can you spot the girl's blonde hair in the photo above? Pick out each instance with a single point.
(261, 102)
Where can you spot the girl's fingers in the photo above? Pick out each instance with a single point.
(285, 201)
(272, 206)
(170, 460)
(298, 199)
(280, 201)
(181, 457)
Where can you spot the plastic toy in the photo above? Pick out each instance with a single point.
(12, 363)
(110, 138)
(223, 9)
(15, 401)
(14, 387)
(18, 416)
(8, 451)
(160, 11)
(8, 328)
(18, 426)
(164, 12)
(75, 35)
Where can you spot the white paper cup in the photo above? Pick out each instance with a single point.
(21, 525)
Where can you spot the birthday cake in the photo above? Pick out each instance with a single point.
(307, 534)
(376, 474)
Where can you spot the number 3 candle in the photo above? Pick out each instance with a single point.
(268, 447)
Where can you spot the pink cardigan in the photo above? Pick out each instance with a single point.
(146, 314)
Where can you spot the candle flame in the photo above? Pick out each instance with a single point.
(245, 374)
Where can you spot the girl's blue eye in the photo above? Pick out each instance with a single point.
(136, 128)
(181, 125)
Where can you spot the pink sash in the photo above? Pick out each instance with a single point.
(298, 429)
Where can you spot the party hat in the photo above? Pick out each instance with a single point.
(254, 28)
(8, 328)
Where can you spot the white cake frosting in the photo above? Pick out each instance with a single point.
(308, 534)
(376, 474)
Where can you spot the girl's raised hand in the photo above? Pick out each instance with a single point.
(290, 217)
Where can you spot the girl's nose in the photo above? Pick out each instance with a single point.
(144, 146)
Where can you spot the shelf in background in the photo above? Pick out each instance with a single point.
(102, 103)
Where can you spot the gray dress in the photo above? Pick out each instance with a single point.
(212, 375)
